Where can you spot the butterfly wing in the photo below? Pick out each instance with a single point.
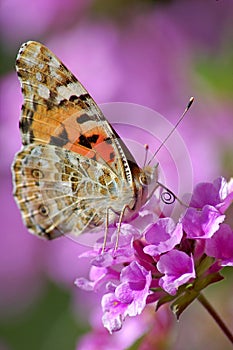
(61, 126)
(57, 109)
(59, 191)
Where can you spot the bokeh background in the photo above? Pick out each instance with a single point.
(153, 53)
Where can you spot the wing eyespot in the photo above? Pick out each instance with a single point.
(43, 210)
(37, 174)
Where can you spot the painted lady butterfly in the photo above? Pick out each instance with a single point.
(74, 173)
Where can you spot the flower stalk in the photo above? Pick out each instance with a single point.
(205, 303)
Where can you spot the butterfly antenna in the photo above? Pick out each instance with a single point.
(146, 146)
(174, 128)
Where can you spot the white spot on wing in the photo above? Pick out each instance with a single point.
(71, 89)
(56, 74)
(43, 91)
(38, 76)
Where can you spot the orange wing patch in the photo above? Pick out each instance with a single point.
(58, 110)
(60, 126)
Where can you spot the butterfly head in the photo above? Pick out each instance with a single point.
(147, 183)
(149, 177)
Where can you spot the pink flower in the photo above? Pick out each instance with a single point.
(163, 259)
(178, 268)
(207, 193)
(129, 297)
(162, 236)
(220, 246)
(202, 223)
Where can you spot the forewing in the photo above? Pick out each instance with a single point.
(73, 167)
(58, 110)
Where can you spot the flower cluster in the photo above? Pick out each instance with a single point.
(167, 261)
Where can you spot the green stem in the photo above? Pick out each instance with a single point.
(215, 316)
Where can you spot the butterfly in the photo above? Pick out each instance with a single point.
(74, 173)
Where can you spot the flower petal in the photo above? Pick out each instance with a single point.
(178, 268)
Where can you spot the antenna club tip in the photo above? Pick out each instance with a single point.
(190, 102)
(146, 146)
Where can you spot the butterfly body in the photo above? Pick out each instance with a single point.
(74, 172)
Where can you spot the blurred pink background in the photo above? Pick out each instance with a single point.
(153, 53)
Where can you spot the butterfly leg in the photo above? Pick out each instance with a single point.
(106, 230)
(125, 207)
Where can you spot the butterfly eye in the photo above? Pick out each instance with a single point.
(144, 180)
